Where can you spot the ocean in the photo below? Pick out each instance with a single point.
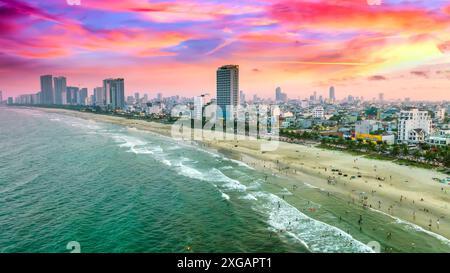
(114, 188)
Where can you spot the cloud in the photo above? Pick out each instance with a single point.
(444, 47)
(377, 78)
(420, 73)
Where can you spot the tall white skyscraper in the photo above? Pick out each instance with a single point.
(414, 126)
(198, 107)
(227, 89)
(60, 85)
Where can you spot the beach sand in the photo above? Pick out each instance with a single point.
(403, 192)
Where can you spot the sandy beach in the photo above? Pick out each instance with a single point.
(406, 193)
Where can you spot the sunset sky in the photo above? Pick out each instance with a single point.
(400, 48)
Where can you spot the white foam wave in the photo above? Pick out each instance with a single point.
(415, 227)
(225, 196)
(249, 196)
(317, 236)
(166, 162)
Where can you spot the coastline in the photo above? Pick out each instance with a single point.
(400, 193)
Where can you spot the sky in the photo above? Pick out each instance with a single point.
(397, 47)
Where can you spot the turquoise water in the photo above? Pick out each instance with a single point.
(116, 189)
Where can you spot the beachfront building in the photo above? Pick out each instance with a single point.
(227, 82)
(367, 126)
(82, 98)
(47, 92)
(99, 96)
(440, 138)
(72, 95)
(115, 93)
(60, 85)
(198, 107)
(414, 126)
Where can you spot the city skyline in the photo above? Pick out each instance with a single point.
(399, 48)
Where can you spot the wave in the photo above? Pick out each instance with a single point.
(414, 227)
(249, 196)
(225, 196)
(317, 236)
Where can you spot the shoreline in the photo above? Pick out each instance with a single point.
(400, 193)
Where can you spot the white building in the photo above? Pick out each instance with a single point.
(198, 108)
(318, 112)
(439, 140)
(414, 126)
(439, 114)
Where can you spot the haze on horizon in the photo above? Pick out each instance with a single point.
(400, 48)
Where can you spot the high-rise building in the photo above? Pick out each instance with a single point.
(227, 82)
(242, 97)
(1, 97)
(47, 92)
(99, 96)
(83, 95)
(332, 94)
(60, 85)
(381, 97)
(280, 96)
(130, 100)
(414, 126)
(10, 100)
(72, 95)
(115, 93)
(198, 107)
(136, 97)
